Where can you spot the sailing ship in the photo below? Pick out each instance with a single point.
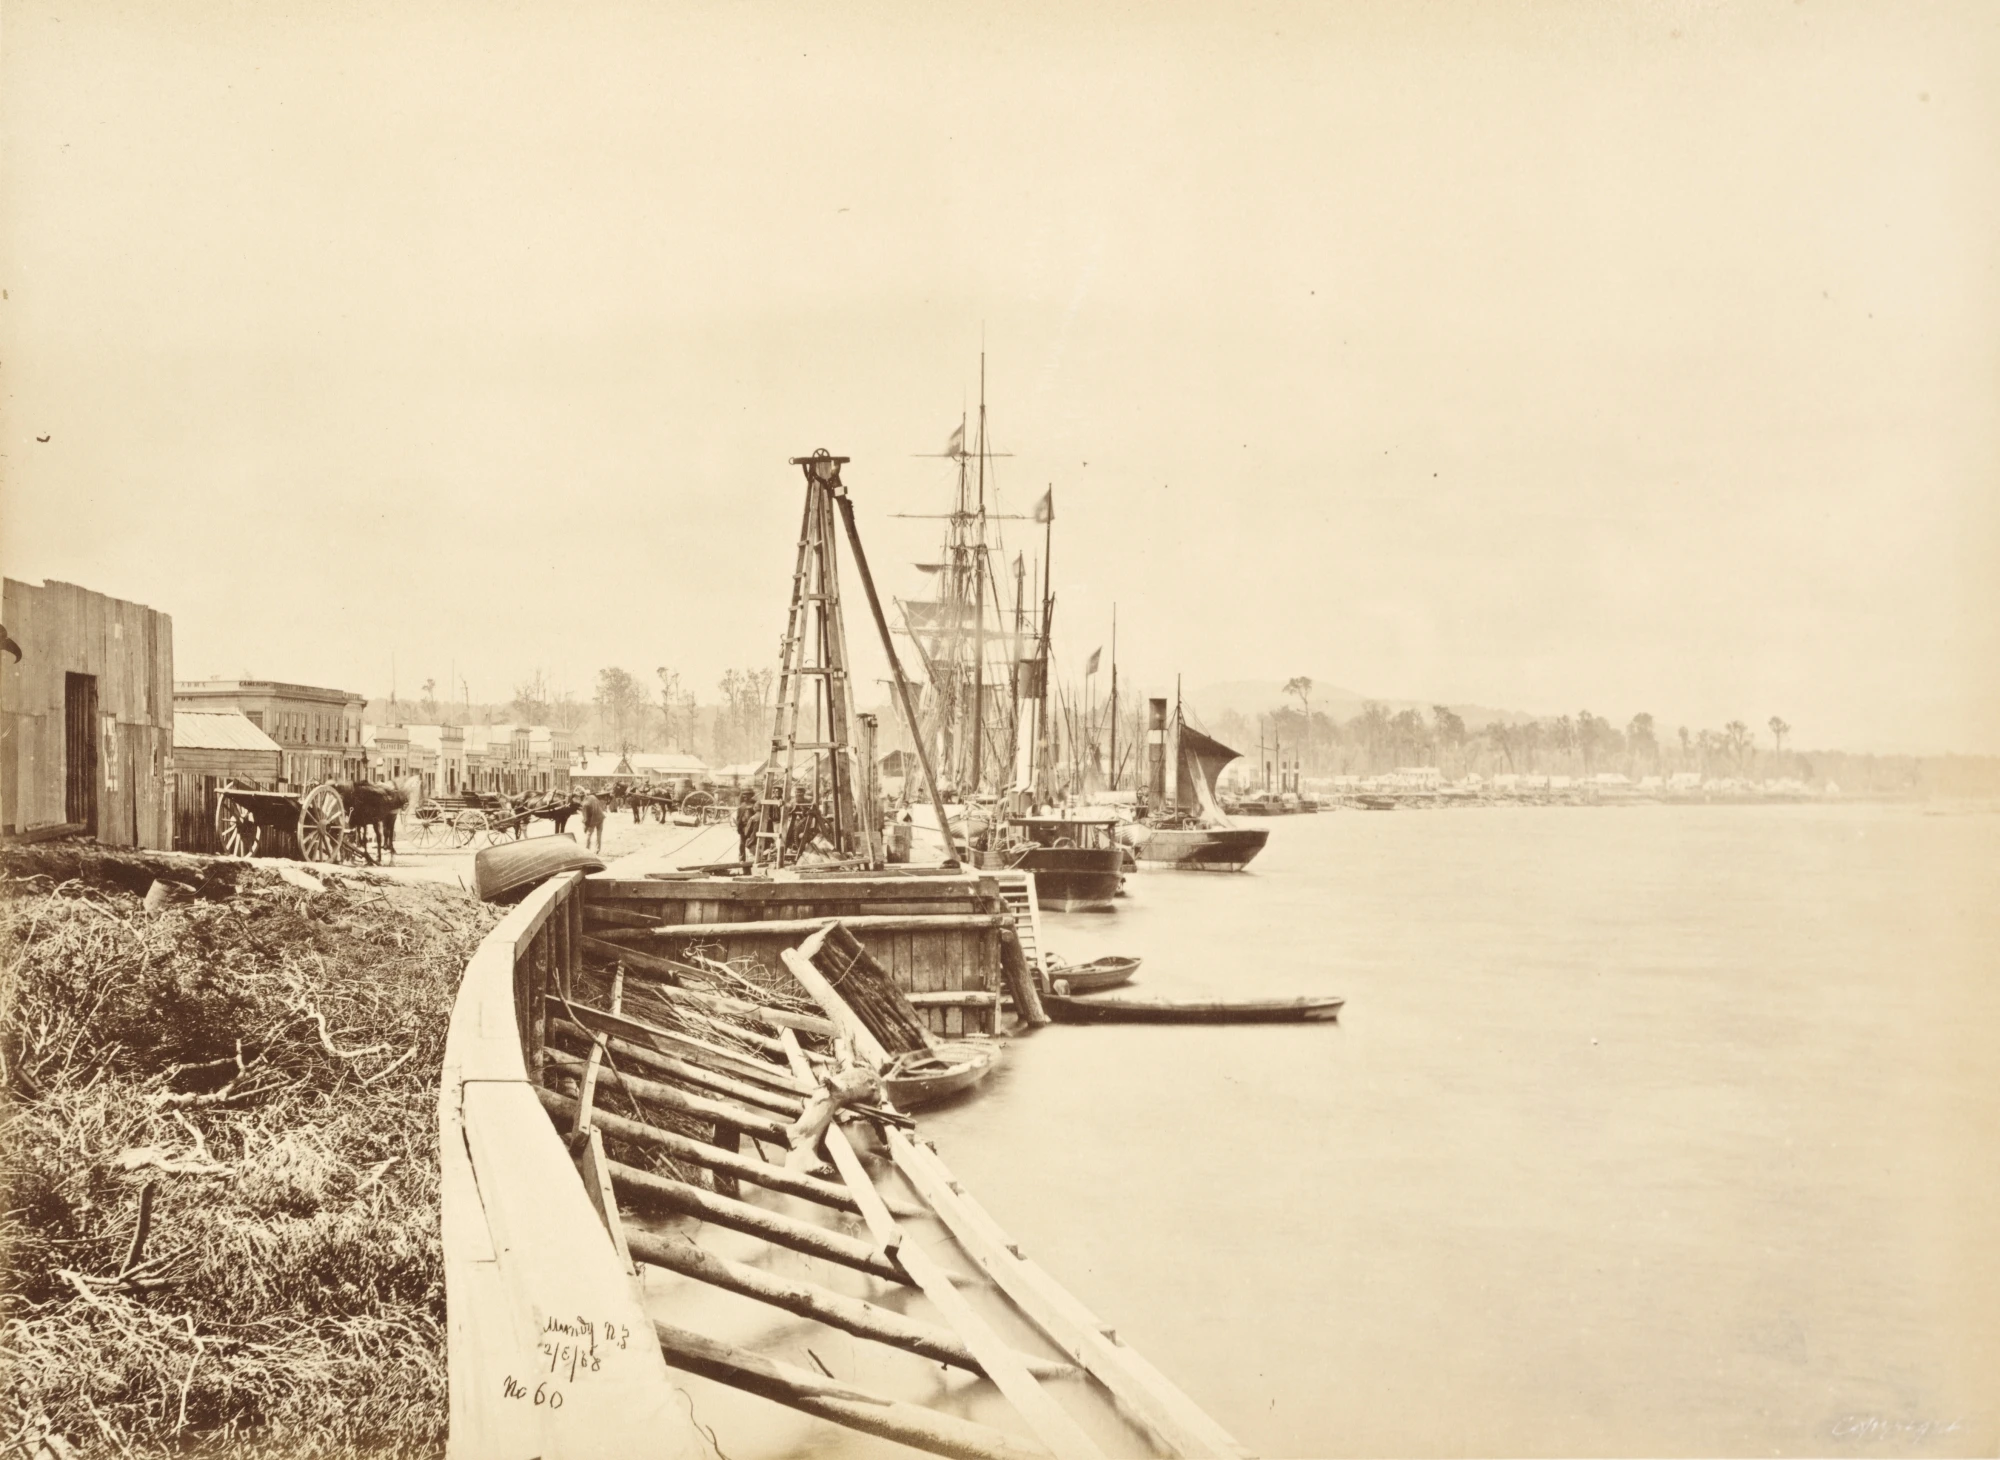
(985, 716)
(1185, 828)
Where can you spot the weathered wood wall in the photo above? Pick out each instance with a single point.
(63, 629)
(954, 960)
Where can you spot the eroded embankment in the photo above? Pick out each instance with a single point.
(263, 1060)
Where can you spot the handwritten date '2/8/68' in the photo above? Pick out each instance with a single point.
(570, 1349)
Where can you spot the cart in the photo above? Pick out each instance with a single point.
(247, 820)
(462, 821)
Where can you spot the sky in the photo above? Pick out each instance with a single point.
(1550, 356)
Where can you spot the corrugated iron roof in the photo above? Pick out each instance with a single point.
(218, 730)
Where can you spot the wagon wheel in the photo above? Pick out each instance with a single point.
(323, 826)
(467, 825)
(235, 825)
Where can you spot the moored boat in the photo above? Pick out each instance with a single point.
(1124, 1009)
(1073, 856)
(1185, 829)
(1089, 978)
(948, 1068)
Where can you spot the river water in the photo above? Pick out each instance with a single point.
(1646, 1130)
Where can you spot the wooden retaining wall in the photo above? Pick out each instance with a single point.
(938, 963)
(550, 1353)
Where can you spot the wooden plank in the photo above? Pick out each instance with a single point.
(804, 927)
(713, 1158)
(866, 1045)
(966, 999)
(800, 1389)
(757, 1122)
(729, 1061)
(685, 1072)
(1052, 1424)
(595, 1170)
(742, 1216)
(736, 890)
(858, 1316)
(1174, 1418)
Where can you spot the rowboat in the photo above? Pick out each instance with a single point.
(1091, 977)
(1071, 1009)
(508, 871)
(947, 1068)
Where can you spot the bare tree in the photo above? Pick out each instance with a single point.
(1779, 730)
(1301, 686)
(670, 698)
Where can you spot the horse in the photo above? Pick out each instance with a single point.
(372, 805)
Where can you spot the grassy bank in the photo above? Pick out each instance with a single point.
(255, 1066)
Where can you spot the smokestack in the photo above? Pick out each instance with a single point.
(1156, 752)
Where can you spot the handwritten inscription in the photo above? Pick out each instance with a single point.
(570, 1347)
(1877, 1427)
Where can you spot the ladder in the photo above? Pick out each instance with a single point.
(1017, 890)
(815, 712)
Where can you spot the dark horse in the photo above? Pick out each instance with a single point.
(372, 806)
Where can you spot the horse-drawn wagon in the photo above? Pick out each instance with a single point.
(327, 823)
(482, 817)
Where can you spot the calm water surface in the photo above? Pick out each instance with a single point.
(1647, 1130)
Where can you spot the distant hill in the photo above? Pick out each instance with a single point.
(1252, 697)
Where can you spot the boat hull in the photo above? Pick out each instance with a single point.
(1074, 879)
(953, 1067)
(1072, 1009)
(1202, 848)
(1092, 977)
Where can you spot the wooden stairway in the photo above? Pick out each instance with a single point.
(1017, 890)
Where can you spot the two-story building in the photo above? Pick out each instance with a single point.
(442, 747)
(318, 730)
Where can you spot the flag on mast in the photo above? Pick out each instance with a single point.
(957, 442)
(1045, 510)
(1090, 667)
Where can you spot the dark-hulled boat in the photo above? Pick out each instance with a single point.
(1074, 858)
(1121, 1009)
(1192, 834)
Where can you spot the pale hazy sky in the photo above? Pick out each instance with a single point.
(1552, 356)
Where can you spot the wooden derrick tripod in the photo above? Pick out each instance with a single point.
(815, 702)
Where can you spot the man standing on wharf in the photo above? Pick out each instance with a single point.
(593, 822)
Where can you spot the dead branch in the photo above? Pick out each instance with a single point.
(326, 1040)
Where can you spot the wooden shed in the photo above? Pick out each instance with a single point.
(86, 715)
(211, 748)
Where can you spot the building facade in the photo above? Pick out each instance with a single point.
(318, 730)
(86, 715)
